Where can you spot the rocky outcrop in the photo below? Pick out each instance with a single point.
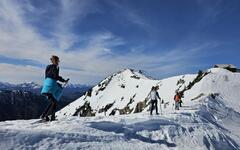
(103, 84)
(141, 106)
(84, 111)
(106, 108)
(199, 77)
(126, 109)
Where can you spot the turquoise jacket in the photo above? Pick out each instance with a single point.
(51, 86)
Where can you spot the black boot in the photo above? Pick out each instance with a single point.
(46, 118)
(53, 110)
(53, 117)
(50, 109)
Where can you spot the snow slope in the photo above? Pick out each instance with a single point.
(209, 118)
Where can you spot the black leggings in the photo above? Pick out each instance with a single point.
(51, 109)
(154, 105)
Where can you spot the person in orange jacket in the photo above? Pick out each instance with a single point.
(177, 99)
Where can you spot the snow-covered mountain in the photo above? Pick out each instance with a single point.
(209, 118)
(29, 85)
(125, 92)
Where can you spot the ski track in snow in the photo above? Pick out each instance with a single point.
(209, 121)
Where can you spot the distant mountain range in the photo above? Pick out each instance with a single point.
(24, 101)
(36, 88)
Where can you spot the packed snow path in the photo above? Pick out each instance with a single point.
(202, 126)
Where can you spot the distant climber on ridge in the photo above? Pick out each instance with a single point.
(181, 96)
(51, 88)
(154, 96)
(177, 99)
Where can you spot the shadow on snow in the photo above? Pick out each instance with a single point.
(130, 131)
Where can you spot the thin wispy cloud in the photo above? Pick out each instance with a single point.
(32, 32)
(132, 16)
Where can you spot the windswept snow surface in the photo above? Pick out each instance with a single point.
(209, 119)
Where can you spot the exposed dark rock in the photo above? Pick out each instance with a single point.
(122, 86)
(228, 67)
(96, 93)
(199, 77)
(102, 88)
(125, 110)
(113, 112)
(197, 97)
(135, 76)
(106, 108)
(89, 93)
(103, 84)
(132, 70)
(141, 106)
(180, 81)
(84, 111)
(130, 101)
(214, 95)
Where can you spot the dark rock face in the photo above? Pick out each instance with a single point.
(135, 77)
(84, 111)
(141, 106)
(228, 67)
(89, 93)
(106, 108)
(180, 81)
(126, 109)
(199, 77)
(103, 84)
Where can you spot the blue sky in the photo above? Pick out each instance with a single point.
(95, 38)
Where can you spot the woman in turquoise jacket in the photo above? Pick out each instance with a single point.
(51, 88)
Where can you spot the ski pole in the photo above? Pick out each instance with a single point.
(172, 106)
(66, 82)
(160, 106)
